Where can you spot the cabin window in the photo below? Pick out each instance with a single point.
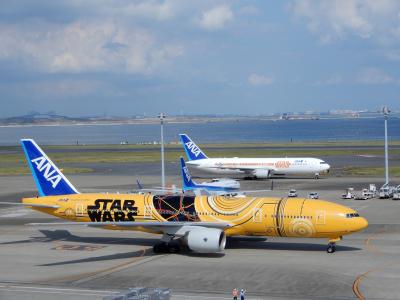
(353, 215)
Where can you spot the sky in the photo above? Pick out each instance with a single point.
(126, 58)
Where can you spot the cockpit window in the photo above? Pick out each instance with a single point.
(353, 215)
(322, 163)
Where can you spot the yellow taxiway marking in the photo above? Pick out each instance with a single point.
(356, 285)
(357, 282)
(99, 273)
(373, 249)
(369, 245)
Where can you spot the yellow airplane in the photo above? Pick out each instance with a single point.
(200, 223)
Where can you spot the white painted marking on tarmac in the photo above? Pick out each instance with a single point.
(54, 292)
(49, 290)
(15, 214)
(186, 296)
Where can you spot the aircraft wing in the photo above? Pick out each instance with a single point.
(30, 204)
(174, 228)
(172, 190)
(254, 191)
(247, 169)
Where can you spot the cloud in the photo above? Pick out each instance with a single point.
(260, 80)
(393, 55)
(148, 9)
(85, 46)
(374, 76)
(335, 19)
(334, 80)
(216, 18)
(249, 10)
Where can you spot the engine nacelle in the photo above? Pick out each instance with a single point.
(206, 240)
(261, 173)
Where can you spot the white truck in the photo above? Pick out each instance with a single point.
(396, 194)
(386, 191)
(348, 193)
(364, 195)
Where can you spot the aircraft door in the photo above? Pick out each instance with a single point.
(264, 221)
(79, 210)
(147, 212)
(257, 215)
(320, 217)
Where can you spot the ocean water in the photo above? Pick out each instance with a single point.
(213, 132)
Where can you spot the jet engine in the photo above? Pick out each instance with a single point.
(261, 173)
(206, 240)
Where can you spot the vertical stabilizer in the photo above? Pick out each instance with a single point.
(48, 178)
(193, 152)
(186, 178)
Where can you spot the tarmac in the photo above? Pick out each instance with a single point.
(51, 262)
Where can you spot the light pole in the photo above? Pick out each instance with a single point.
(386, 112)
(162, 116)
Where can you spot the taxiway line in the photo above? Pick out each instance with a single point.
(96, 274)
(358, 280)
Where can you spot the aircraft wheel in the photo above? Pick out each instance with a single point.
(161, 248)
(173, 248)
(331, 248)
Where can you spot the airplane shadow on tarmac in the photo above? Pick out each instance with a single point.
(232, 243)
(66, 236)
(131, 254)
(288, 246)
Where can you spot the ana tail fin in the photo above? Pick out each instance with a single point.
(186, 178)
(193, 152)
(48, 178)
(139, 185)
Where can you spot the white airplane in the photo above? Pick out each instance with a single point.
(252, 167)
(218, 186)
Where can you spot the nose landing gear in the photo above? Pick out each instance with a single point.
(331, 248)
(332, 245)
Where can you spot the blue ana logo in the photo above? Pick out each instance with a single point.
(193, 148)
(43, 166)
(187, 175)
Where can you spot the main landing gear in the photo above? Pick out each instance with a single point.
(168, 245)
(332, 245)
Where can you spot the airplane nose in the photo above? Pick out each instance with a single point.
(360, 223)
